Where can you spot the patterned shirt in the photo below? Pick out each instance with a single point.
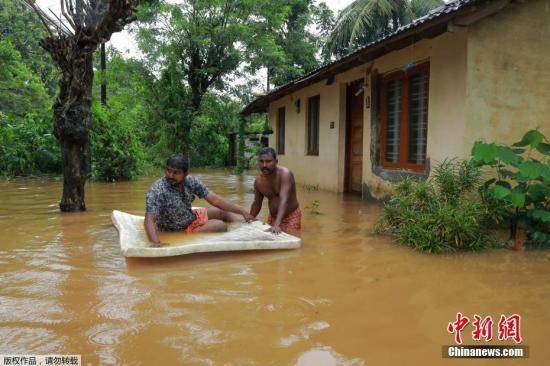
(172, 207)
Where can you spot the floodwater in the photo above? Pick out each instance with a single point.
(344, 298)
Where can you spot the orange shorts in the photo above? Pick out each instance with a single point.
(293, 222)
(202, 217)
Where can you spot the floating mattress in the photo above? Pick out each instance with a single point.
(241, 236)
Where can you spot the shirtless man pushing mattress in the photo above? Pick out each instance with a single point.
(277, 184)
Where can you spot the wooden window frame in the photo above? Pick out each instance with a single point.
(281, 129)
(313, 150)
(404, 76)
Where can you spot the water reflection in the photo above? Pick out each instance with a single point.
(345, 298)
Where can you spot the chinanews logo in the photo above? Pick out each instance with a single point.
(508, 328)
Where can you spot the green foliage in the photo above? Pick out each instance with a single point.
(169, 116)
(196, 47)
(282, 39)
(117, 152)
(364, 21)
(157, 110)
(196, 42)
(455, 178)
(440, 214)
(325, 22)
(203, 42)
(209, 138)
(27, 146)
(521, 190)
(21, 27)
(20, 89)
(314, 207)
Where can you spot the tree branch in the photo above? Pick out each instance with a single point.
(38, 12)
(66, 29)
(66, 15)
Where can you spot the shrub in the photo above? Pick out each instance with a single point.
(21, 89)
(27, 146)
(440, 214)
(519, 193)
(210, 144)
(117, 153)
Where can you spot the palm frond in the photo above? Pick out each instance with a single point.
(364, 21)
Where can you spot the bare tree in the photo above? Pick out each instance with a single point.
(71, 41)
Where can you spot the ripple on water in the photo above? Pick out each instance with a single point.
(108, 357)
(198, 298)
(187, 357)
(118, 295)
(107, 253)
(27, 340)
(45, 253)
(303, 333)
(296, 308)
(315, 302)
(30, 282)
(244, 271)
(325, 356)
(30, 310)
(234, 295)
(203, 335)
(109, 334)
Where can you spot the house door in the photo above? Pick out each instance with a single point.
(354, 137)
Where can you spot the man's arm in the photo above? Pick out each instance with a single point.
(151, 229)
(220, 203)
(284, 193)
(257, 204)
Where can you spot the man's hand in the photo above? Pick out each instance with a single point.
(275, 229)
(151, 230)
(248, 217)
(220, 203)
(158, 245)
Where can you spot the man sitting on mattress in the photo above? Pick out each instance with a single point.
(168, 204)
(277, 184)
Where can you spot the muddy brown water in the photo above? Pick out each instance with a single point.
(344, 298)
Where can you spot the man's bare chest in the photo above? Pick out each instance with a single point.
(269, 190)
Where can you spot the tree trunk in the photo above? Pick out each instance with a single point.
(197, 93)
(103, 71)
(72, 47)
(72, 124)
(75, 171)
(241, 163)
